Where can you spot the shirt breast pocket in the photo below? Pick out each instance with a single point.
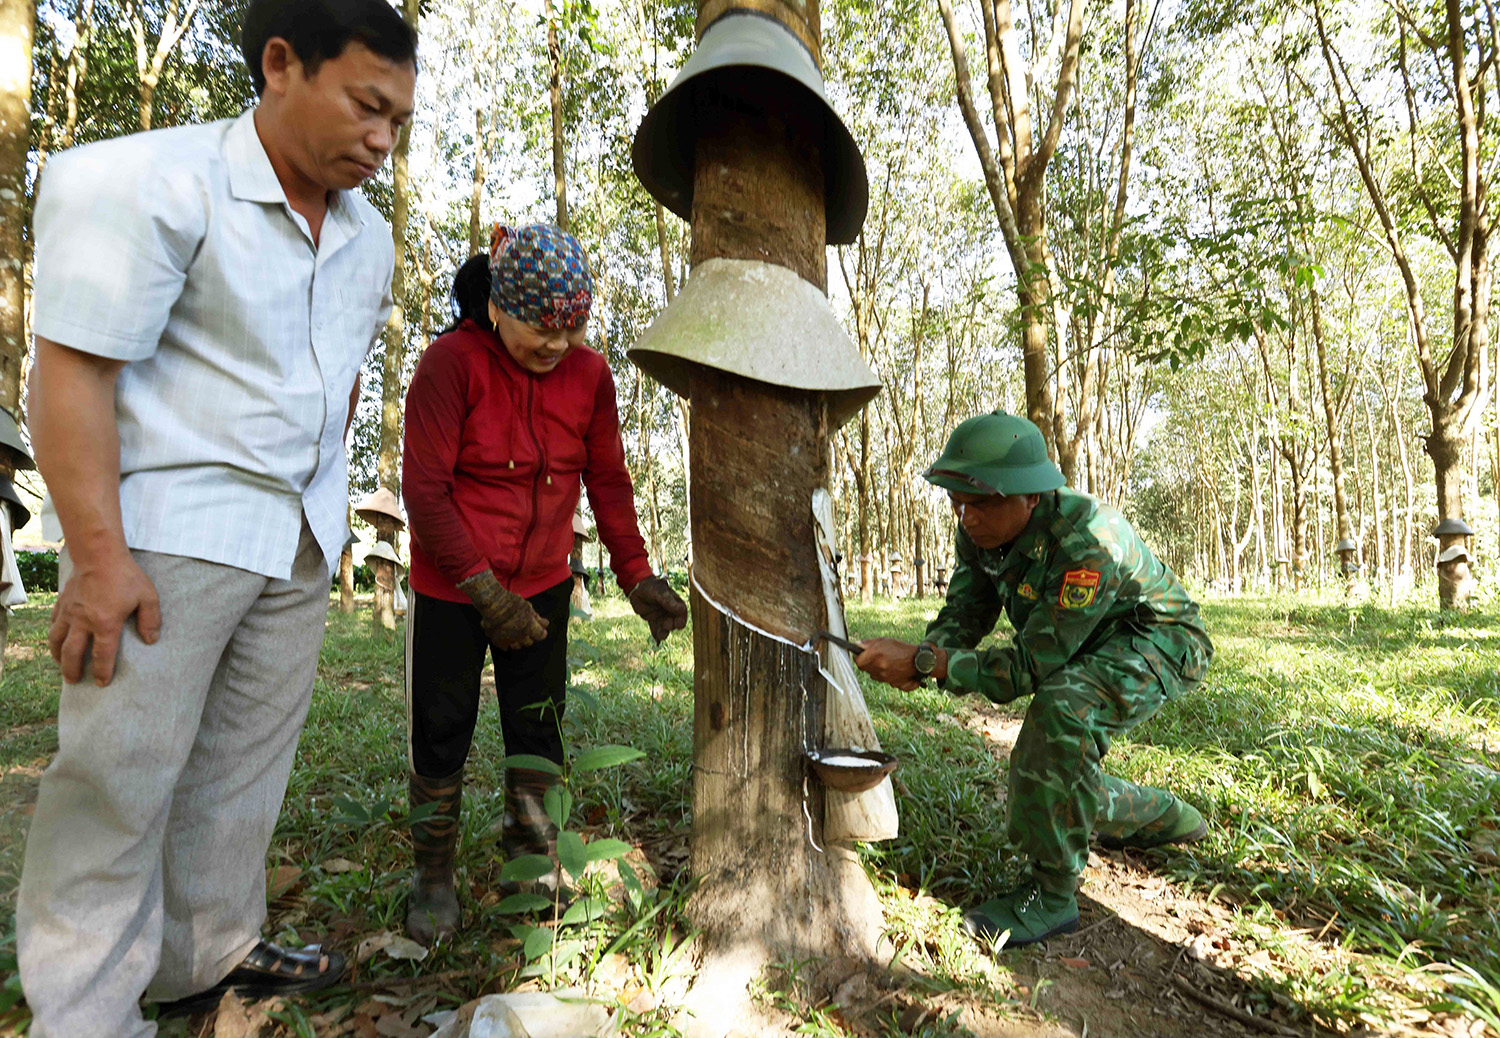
(360, 307)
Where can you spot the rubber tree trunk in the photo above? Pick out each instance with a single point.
(476, 188)
(862, 482)
(770, 886)
(920, 558)
(554, 91)
(1455, 579)
(17, 26)
(346, 581)
(385, 577)
(392, 387)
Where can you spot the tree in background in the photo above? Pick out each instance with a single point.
(1021, 85)
(1445, 61)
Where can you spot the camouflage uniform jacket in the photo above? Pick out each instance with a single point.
(1078, 580)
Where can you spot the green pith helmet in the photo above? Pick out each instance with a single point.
(995, 453)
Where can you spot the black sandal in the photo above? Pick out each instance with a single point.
(269, 970)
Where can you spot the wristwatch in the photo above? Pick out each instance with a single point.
(925, 660)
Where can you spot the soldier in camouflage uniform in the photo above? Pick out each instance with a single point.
(1104, 635)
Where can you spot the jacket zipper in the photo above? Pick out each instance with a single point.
(536, 480)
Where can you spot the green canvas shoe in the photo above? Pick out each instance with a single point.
(1028, 916)
(1180, 823)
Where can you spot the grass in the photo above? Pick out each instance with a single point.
(1349, 762)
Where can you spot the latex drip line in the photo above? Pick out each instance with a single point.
(806, 746)
(807, 646)
(808, 815)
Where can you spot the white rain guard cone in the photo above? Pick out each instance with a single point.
(761, 321)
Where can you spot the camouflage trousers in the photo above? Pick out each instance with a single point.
(1058, 792)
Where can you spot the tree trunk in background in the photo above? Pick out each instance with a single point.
(554, 90)
(1331, 418)
(668, 282)
(1257, 502)
(77, 72)
(17, 27)
(151, 60)
(1456, 389)
(346, 581)
(1405, 536)
(476, 194)
(919, 559)
(392, 386)
(1446, 446)
(1383, 560)
(1015, 172)
(758, 451)
(862, 481)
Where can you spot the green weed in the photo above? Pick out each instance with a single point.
(1347, 761)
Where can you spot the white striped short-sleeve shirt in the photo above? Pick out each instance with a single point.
(176, 252)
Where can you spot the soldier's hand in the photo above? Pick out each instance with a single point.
(891, 661)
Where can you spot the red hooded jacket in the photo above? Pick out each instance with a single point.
(492, 463)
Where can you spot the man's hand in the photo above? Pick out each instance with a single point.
(91, 611)
(890, 661)
(655, 602)
(508, 620)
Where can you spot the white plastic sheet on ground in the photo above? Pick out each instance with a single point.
(530, 1014)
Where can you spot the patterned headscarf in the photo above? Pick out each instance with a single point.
(539, 275)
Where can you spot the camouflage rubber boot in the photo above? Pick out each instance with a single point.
(1026, 916)
(526, 828)
(432, 910)
(1180, 823)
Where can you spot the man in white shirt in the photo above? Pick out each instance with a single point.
(204, 297)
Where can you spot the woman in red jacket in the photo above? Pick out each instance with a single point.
(508, 412)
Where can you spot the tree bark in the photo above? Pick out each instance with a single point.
(1455, 390)
(1015, 173)
(770, 887)
(476, 192)
(554, 91)
(1406, 534)
(1377, 499)
(392, 388)
(17, 26)
(151, 60)
(1446, 446)
(346, 581)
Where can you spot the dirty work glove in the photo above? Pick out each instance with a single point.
(509, 621)
(655, 602)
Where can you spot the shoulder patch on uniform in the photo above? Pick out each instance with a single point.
(1027, 591)
(1079, 587)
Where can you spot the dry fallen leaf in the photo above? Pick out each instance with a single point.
(392, 1026)
(235, 1019)
(372, 944)
(405, 948)
(281, 879)
(1077, 964)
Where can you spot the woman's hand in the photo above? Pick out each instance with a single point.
(655, 602)
(509, 621)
